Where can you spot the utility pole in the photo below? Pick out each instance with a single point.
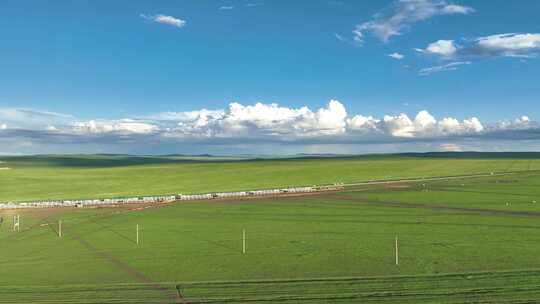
(244, 241)
(397, 252)
(16, 223)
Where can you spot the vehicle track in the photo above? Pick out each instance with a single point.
(170, 295)
(427, 179)
(481, 211)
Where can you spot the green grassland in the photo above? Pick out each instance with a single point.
(104, 176)
(472, 240)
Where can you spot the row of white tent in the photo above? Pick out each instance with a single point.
(155, 199)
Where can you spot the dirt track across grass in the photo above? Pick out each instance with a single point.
(171, 295)
(481, 211)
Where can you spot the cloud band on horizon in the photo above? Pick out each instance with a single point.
(256, 124)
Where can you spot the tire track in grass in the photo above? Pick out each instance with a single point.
(480, 211)
(172, 297)
(471, 287)
(457, 190)
(427, 179)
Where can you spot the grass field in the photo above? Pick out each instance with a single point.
(460, 241)
(82, 177)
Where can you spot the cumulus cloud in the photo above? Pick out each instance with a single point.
(444, 48)
(521, 123)
(366, 124)
(255, 124)
(396, 55)
(3, 126)
(452, 66)
(398, 18)
(262, 119)
(164, 19)
(425, 125)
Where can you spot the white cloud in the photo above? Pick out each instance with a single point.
(509, 45)
(263, 119)
(402, 14)
(345, 39)
(339, 37)
(363, 123)
(523, 122)
(254, 4)
(226, 7)
(442, 68)
(123, 126)
(164, 19)
(396, 55)
(3, 126)
(444, 48)
(499, 45)
(424, 120)
(457, 9)
(255, 124)
(51, 128)
(449, 125)
(18, 118)
(473, 125)
(424, 125)
(399, 126)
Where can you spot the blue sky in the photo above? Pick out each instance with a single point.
(95, 72)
